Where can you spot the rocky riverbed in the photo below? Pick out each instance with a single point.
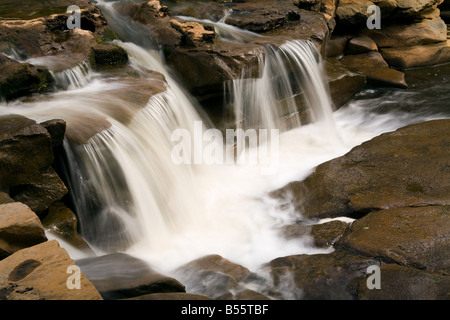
(394, 190)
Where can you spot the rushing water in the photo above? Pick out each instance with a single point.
(129, 194)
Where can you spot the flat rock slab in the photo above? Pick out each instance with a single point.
(405, 283)
(41, 272)
(416, 237)
(19, 228)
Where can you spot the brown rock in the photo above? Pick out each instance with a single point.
(194, 33)
(319, 276)
(5, 198)
(40, 191)
(361, 44)
(22, 79)
(343, 82)
(25, 148)
(328, 233)
(336, 46)
(26, 156)
(415, 237)
(322, 235)
(214, 277)
(351, 12)
(19, 228)
(57, 129)
(427, 31)
(417, 56)
(376, 69)
(41, 273)
(405, 283)
(62, 222)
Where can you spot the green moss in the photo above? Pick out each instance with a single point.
(108, 35)
(24, 81)
(107, 55)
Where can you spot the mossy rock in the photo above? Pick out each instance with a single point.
(22, 79)
(104, 54)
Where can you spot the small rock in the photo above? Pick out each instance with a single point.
(194, 33)
(343, 82)
(361, 44)
(107, 55)
(62, 222)
(376, 69)
(214, 276)
(120, 276)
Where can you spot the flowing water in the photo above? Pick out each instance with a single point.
(131, 197)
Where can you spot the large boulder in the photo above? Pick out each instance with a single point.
(408, 167)
(19, 228)
(22, 79)
(416, 237)
(42, 272)
(354, 12)
(405, 283)
(417, 56)
(426, 31)
(26, 157)
(331, 276)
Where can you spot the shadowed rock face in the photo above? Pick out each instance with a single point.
(119, 276)
(26, 157)
(22, 79)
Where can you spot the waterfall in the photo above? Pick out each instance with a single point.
(124, 184)
(76, 77)
(291, 90)
(130, 196)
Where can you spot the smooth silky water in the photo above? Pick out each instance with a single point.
(131, 197)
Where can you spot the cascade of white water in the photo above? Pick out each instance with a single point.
(291, 89)
(133, 191)
(76, 77)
